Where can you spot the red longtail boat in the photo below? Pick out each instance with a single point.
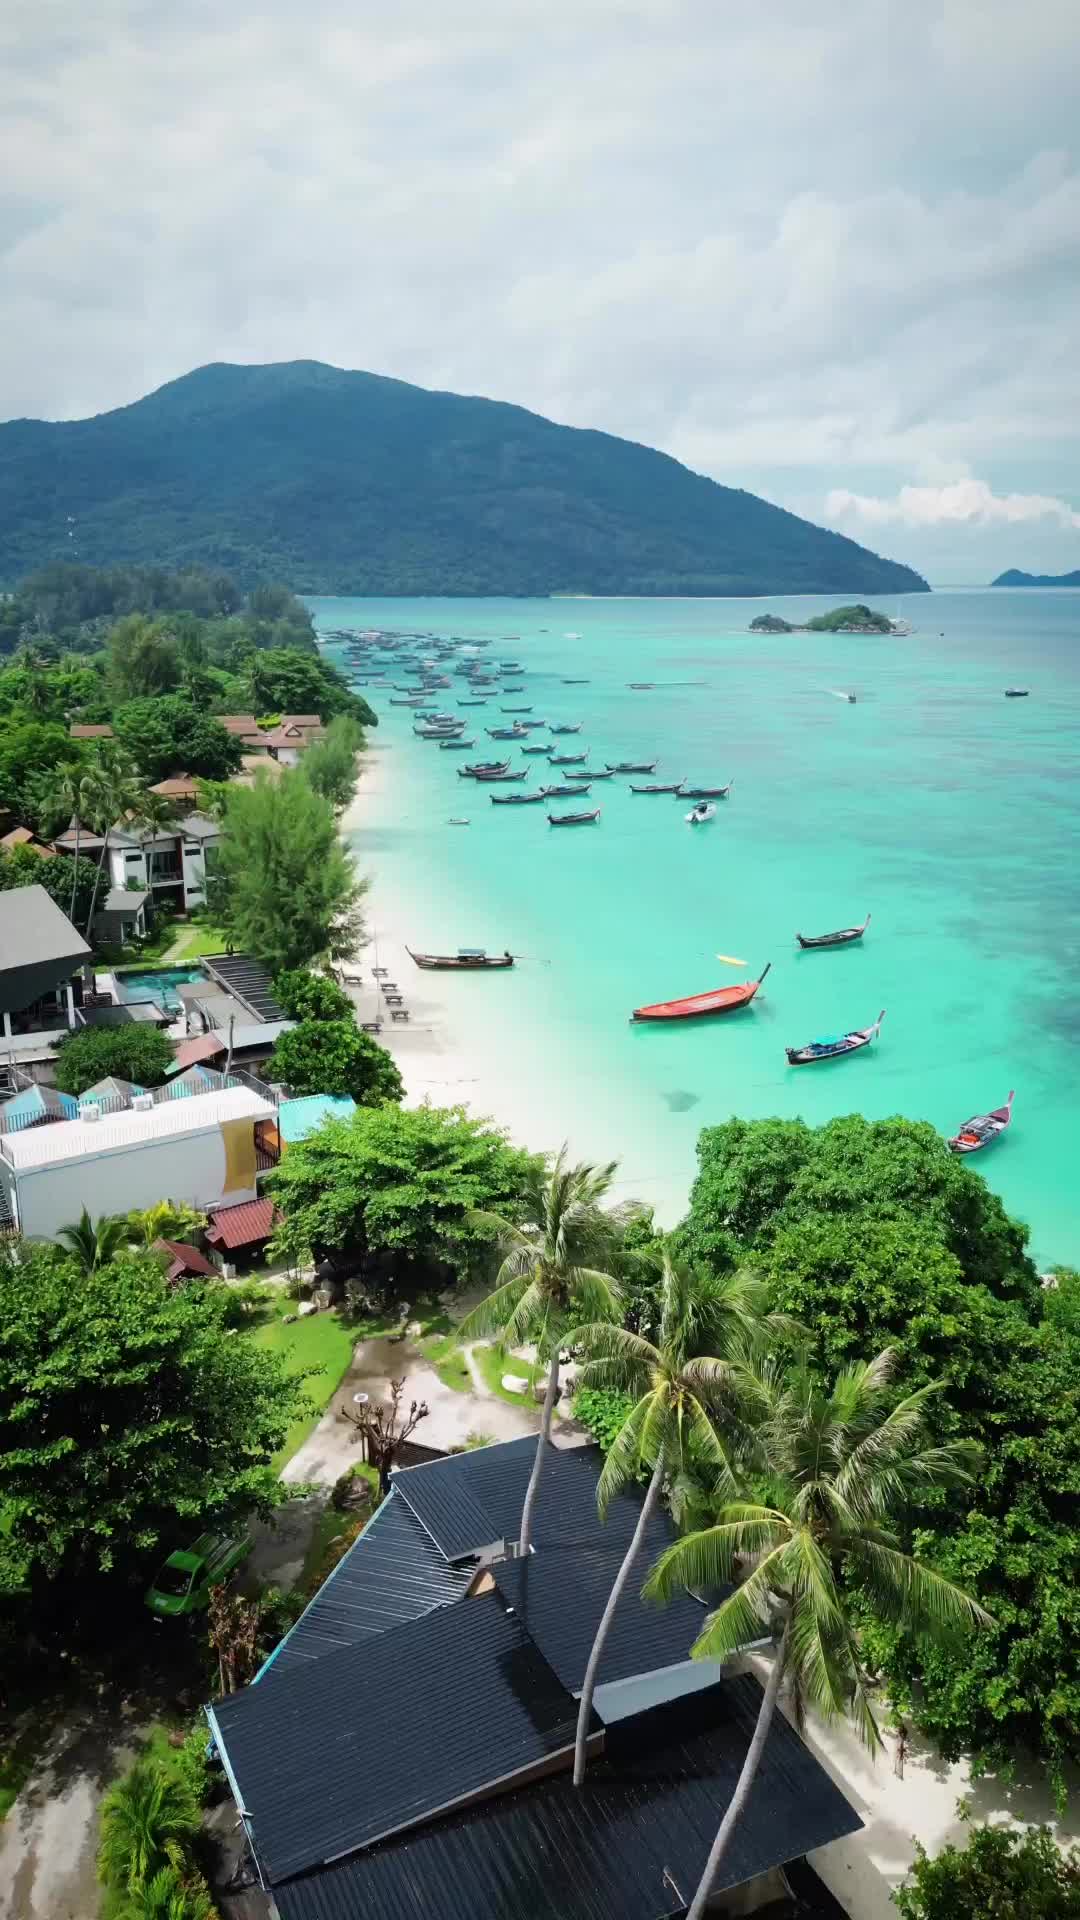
(696, 1005)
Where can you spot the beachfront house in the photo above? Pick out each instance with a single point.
(168, 868)
(408, 1749)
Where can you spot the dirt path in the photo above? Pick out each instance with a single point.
(48, 1843)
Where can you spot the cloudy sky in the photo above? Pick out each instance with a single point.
(824, 250)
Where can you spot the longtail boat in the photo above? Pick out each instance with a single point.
(514, 709)
(485, 779)
(707, 793)
(465, 960)
(567, 759)
(505, 733)
(482, 766)
(562, 793)
(517, 799)
(586, 773)
(631, 766)
(675, 787)
(472, 703)
(575, 683)
(565, 729)
(1016, 693)
(696, 1005)
(573, 819)
(842, 938)
(535, 749)
(836, 1047)
(456, 746)
(983, 1128)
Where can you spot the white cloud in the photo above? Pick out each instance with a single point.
(968, 503)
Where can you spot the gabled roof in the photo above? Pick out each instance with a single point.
(184, 1258)
(82, 731)
(111, 1088)
(630, 1845)
(560, 1593)
(39, 947)
(36, 1107)
(242, 1225)
(237, 723)
(196, 826)
(205, 1046)
(362, 1744)
(470, 1500)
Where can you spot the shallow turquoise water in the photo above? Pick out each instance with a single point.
(159, 986)
(951, 813)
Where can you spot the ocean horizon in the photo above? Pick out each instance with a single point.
(948, 812)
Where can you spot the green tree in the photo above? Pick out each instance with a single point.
(291, 682)
(333, 1056)
(311, 996)
(137, 1053)
(411, 1186)
(551, 1279)
(330, 765)
(166, 1220)
(72, 789)
(676, 1386)
(835, 1470)
(171, 733)
(169, 1895)
(61, 878)
(126, 1413)
(142, 659)
(94, 1243)
(29, 748)
(290, 888)
(1001, 1874)
(116, 792)
(147, 1820)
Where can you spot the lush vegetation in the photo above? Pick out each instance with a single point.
(1002, 1874)
(330, 765)
(1015, 577)
(127, 1415)
(875, 1235)
(304, 995)
(446, 495)
(315, 1351)
(334, 1056)
(284, 887)
(856, 619)
(167, 733)
(69, 882)
(403, 1194)
(150, 1827)
(137, 1053)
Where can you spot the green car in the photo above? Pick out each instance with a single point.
(184, 1582)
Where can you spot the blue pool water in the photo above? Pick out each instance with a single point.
(161, 986)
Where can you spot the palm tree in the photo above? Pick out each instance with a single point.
(145, 1820)
(114, 791)
(551, 1266)
(95, 1242)
(670, 1427)
(836, 1469)
(167, 1897)
(72, 793)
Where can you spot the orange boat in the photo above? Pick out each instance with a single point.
(695, 1005)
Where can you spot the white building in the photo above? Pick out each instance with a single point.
(170, 866)
(202, 1149)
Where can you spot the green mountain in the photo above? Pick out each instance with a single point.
(350, 483)
(1014, 578)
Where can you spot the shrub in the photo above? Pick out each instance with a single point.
(311, 996)
(137, 1053)
(603, 1412)
(1000, 1875)
(147, 1820)
(333, 1056)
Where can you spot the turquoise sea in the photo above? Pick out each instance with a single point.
(948, 811)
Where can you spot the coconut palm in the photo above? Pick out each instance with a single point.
(836, 1470)
(72, 793)
(551, 1278)
(677, 1383)
(145, 1820)
(168, 1897)
(115, 791)
(95, 1242)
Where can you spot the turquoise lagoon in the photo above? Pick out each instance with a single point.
(948, 811)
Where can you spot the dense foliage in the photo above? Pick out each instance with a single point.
(128, 1416)
(348, 483)
(405, 1183)
(304, 995)
(334, 1056)
(603, 1412)
(169, 734)
(137, 1053)
(330, 765)
(848, 619)
(69, 883)
(874, 1234)
(285, 888)
(1001, 1874)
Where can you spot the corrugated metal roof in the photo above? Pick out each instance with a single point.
(72, 1139)
(297, 1118)
(370, 1741)
(205, 1047)
(392, 1573)
(184, 1258)
(560, 1593)
(630, 1845)
(472, 1499)
(239, 1226)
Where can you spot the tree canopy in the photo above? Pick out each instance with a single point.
(25, 867)
(137, 1053)
(284, 881)
(334, 1056)
(311, 996)
(170, 734)
(1001, 1874)
(330, 765)
(129, 1418)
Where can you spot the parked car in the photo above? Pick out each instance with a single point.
(183, 1584)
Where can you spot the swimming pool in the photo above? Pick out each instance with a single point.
(160, 986)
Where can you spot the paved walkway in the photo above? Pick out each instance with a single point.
(48, 1843)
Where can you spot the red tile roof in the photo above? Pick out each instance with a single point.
(90, 733)
(205, 1046)
(241, 1226)
(184, 1258)
(237, 722)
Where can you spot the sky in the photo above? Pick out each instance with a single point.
(829, 252)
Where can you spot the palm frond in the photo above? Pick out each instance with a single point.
(744, 1615)
(908, 1592)
(624, 1457)
(493, 1313)
(708, 1559)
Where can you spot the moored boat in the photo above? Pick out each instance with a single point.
(465, 960)
(573, 819)
(566, 729)
(983, 1128)
(505, 733)
(517, 799)
(698, 815)
(631, 766)
(484, 779)
(514, 709)
(567, 759)
(675, 787)
(562, 793)
(589, 773)
(706, 793)
(1016, 693)
(456, 746)
(535, 749)
(695, 1006)
(842, 938)
(482, 766)
(836, 1047)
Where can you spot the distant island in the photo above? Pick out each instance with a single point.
(1014, 578)
(348, 483)
(855, 619)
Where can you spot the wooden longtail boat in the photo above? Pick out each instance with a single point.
(472, 703)
(676, 787)
(465, 960)
(631, 766)
(514, 709)
(534, 749)
(515, 799)
(567, 759)
(1016, 693)
(505, 733)
(562, 793)
(573, 819)
(585, 773)
(566, 729)
(843, 938)
(707, 793)
(456, 746)
(983, 1128)
(575, 683)
(834, 1049)
(696, 1005)
(482, 766)
(485, 779)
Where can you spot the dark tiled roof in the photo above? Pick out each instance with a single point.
(392, 1574)
(559, 1594)
(472, 1499)
(362, 1744)
(630, 1845)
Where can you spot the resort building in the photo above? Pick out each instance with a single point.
(167, 868)
(39, 952)
(408, 1749)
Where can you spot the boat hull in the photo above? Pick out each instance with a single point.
(702, 1006)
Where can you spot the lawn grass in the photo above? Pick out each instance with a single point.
(330, 1525)
(319, 1340)
(493, 1364)
(192, 942)
(449, 1362)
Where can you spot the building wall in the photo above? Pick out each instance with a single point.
(191, 1168)
(621, 1698)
